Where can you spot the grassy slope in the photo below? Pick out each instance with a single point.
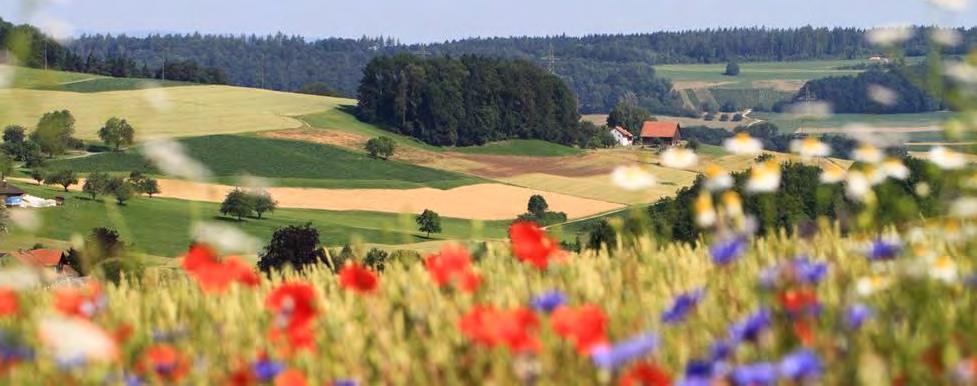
(789, 123)
(530, 147)
(162, 227)
(32, 78)
(287, 163)
(762, 71)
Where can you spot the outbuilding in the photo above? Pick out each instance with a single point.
(665, 133)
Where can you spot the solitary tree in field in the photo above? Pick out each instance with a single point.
(297, 246)
(538, 206)
(54, 131)
(237, 204)
(381, 147)
(119, 188)
(96, 183)
(117, 132)
(732, 69)
(144, 185)
(65, 178)
(429, 221)
(38, 175)
(262, 202)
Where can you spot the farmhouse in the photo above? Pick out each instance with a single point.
(11, 195)
(46, 259)
(660, 133)
(622, 136)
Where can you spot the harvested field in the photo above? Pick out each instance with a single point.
(867, 130)
(481, 201)
(601, 188)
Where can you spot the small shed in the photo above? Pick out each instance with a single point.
(622, 136)
(11, 195)
(660, 133)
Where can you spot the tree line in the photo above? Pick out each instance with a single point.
(32, 48)
(903, 90)
(598, 68)
(466, 101)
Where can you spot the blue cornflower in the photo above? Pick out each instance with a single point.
(750, 328)
(856, 315)
(769, 277)
(266, 370)
(610, 357)
(345, 382)
(756, 374)
(884, 250)
(132, 380)
(682, 305)
(970, 281)
(808, 272)
(799, 365)
(697, 373)
(726, 251)
(720, 350)
(548, 301)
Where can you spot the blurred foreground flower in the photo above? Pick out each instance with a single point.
(705, 213)
(799, 366)
(950, 5)
(869, 285)
(946, 158)
(75, 340)
(80, 302)
(618, 354)
(357, 278)
(947, 37)
(215, 276)
(514, 329)
(726, 251)
(856, 315)
(810, 110)
(291, 377)
(682, 305)
(452, 266)
(717, 178)
(165, 363)
(294, 308)
(531, 244)
(810, 147)
(750, 328)
(9, 303)
(743, 143)
(961, 71)
(831, 174)
(548, 301)
(888, 36)
(679, 158)
(171, 158)
(585, 326)
(225, 238)
(868, 153)
(882, 95)
(645, 374)
(764, 178)
(964, 207)
(632, 178)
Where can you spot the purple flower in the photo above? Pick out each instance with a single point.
(799, 365)
(884, 250)
(970, 281)
(750, 328)
(548, 301)
(697, 373)
(610, 357)
(856, 315)
(266, 370)
(682, 305)
(132, 380)
(345, 382)
(769, 277)
(720, 350)
(808, 272)
(756, 374)
(726, 251)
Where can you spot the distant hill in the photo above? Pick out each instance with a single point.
(598, 68)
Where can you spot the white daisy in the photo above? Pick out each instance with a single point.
(887, 36)
(868, 285)
(943, 268)
(170, 157)
(950, 5)
(75, 339)
(743, 143)
(717, 178)
(679, 158)
(810, 147)
(964, 207)
(632, 178)
(868, 153)
(810, 110)
(960, 71)
(857, 186)
(946, 158)
(882, 95)
(764, 177)
(894, 168)
(733, 204)
(947, 37)
(705, 213)
(226, 238)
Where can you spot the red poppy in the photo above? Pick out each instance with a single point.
(804, 331)
(799, 301)
(241, 375)
(216, 276)
(531, 244)
(452, 265)
(165, 362)
(81, 302)
(645, 374)
(290, 378)
(294, 307)
(488, 326)
(9, 304)
(357, 278)
(585, 326)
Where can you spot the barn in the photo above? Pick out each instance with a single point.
(665, 133)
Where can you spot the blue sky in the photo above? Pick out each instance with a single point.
(437, 20)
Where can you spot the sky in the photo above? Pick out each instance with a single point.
(418, 21)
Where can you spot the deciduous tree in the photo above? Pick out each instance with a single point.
(117, 132)
(65, 178)
(237, 204)
(429, 222)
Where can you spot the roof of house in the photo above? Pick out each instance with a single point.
(659, 129)
(39, 257)
(622, 131)
(9, 190)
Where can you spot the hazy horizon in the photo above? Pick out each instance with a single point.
(431, 21)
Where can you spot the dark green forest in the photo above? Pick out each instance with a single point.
(600, 69)
(850, 94)
(468, 100)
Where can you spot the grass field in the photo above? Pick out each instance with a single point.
(790, 123)
(32, 78)
(784, 76)
(162, 227)
(284, 162)
(523, 147)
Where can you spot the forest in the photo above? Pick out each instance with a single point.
(899, 85)
(598, 68)
(468, 100)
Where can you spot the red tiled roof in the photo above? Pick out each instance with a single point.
(39, 257)
(622, 131)
(659, 129)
